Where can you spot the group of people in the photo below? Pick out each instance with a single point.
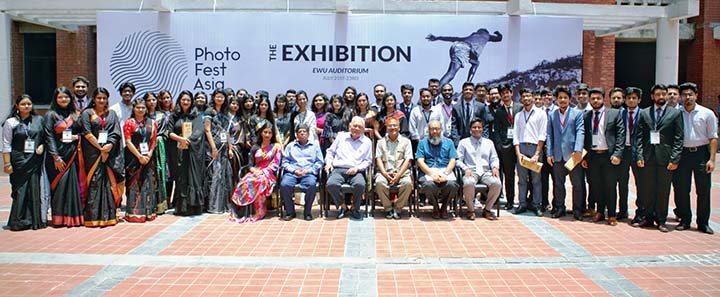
(224, 152)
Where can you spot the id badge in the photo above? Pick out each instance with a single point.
(232, 139)
(595, 140)
(509, 134)
(29, 146)
(654, 137)
(223, 137)
(102, 137)
(187, 129)
(67, 136)
(144, 148)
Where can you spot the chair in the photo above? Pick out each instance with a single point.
(479, 188)
(319, 184)
(416, 195)
(395, 190)
(346, 189)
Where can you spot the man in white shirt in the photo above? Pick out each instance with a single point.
(479, 162)
(124, 108)
(420, 116)
(445, 109)
(529, 133)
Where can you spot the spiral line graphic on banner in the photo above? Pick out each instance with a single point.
(151, 60)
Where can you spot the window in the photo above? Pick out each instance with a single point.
(40, 66)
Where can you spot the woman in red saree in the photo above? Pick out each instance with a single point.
(140, 139)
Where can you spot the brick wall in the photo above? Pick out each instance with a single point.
(598, 61)
(76, 55)
(704, 54)
(17, 64)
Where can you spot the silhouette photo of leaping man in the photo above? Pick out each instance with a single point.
(465, 50)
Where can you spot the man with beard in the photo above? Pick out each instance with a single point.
(673, 97)
(436, 156)
(565, 140)
(504, 127)
(406, 106)
(445, 110)
(604, 142)
(379, 92)
(420, 116)
(79, 87)
(464, 112)
(617, 98)
(434, 87)
(659, 148)
(529, 133)
(124, 108)
(698, 158)
(291, 96)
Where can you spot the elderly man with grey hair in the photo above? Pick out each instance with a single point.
(345, 162)
(436, 156)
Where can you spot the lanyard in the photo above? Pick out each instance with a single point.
(563, 121)
(448, 111)
(142, 129)
(596, 121)
(427, 115)
(528, 116)
(102, 120)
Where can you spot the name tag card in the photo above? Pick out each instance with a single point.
(186, 129)
(102, 137)
(144, 148)
(29, 146)
(223, 137)
(67, 136)
(509, 134)
(595, 140)
(654, 137)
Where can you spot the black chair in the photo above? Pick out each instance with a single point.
(479, 188)
(395, 190)
(346, 190)
(319, 184)
(417, 195)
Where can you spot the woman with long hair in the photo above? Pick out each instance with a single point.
(140, 140)
(23, 147)
(62, 127)
(362, 109)
(162, 176)
(302, 116)
(201, 102)
(262, 115)
(165, 102)
(218, 180)
(319, 107)
(349, 94)
(282, 117)
(102, 161)
(257, 185)
(187, 156)
(246, 132)
(389, 109)
(336, 120)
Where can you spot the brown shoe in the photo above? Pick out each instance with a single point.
(489, 215)
(612, 221)
(598, 217)
(436, 214)
(471, 216)
(444, 214)
(589, 213)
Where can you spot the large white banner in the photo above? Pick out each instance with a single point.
(327, 52)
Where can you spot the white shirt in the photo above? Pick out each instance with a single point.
(419, 119)
(530, 127)
(478, 155)
(445, 112)
(602, 142)
(10, 124)
(123, 112)
(700, 125)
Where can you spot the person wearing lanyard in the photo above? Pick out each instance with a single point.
(140, 138)
(529, 133)
(420, 116)
(101, 160)
(445, 109)
(436, 157)
(218, 175)
(504, 127)
(479, 162)
(700, 143)
(604, 141)
(548, 106)
(631, 114)
(465, 111)
(565, 139)
(659, 145)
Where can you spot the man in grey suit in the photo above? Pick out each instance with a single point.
(659, 145)
(604, 141)
(464, 112)
(565, 139)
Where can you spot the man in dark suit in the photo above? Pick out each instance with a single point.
(659, 145)
(406, 106)
(504, 121)
(464, 112)
(630, 115)
(604, 141)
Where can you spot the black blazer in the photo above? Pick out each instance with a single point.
(502, 123)
(614, 131)
(460, 127)
(671, 136)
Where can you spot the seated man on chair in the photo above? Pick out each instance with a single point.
(393, 155)
(301, 161)
(346, 161)
(479, 162)
(436, 157)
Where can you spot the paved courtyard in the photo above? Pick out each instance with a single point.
(207, 255)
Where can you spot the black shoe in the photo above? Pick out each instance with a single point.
(538, 212)
(396, 215)
(519, 210)
(342, 214)
(663, 228)
(646, 223)
(558, 213)
(578, 216)
(635, 222)
(706, 229)
(356, 215)
(682, 227)
(289, 217)
(308, 217)
(509, 206)
(389, 215)
(421, 203)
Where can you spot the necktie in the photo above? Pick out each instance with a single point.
(657, 116)
(596, 122)
(547, 111)
(467, 112)
(631, 121)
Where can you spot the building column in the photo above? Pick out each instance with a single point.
(5, 65)
(667, 51)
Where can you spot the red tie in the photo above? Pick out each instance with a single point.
(631, 119)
